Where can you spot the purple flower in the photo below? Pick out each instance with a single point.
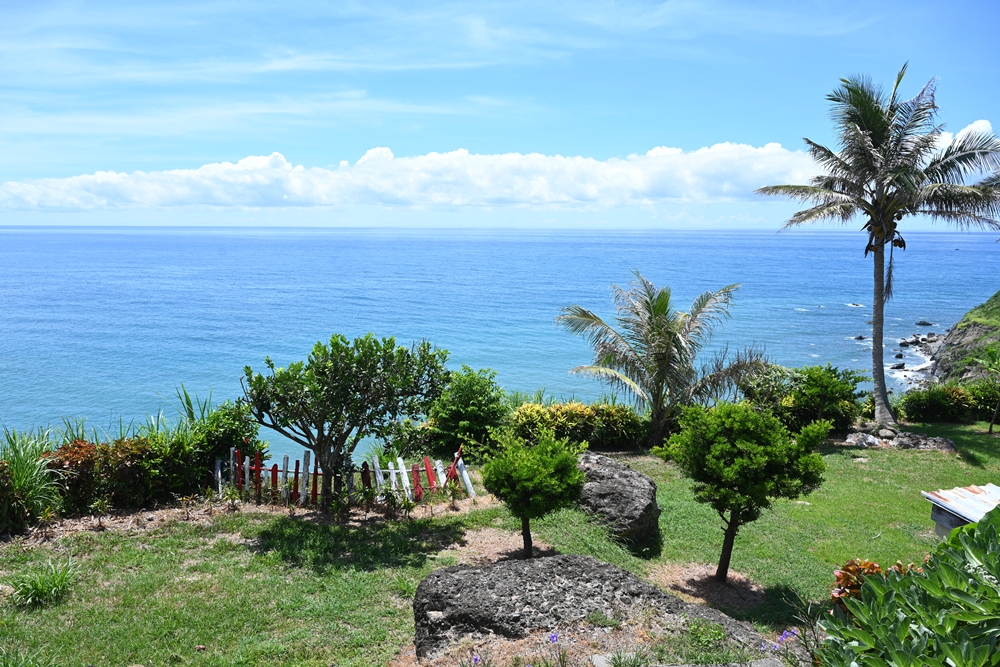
(763, 647)
(554, 637)
(475, 658)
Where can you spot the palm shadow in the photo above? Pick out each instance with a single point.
(322, 546)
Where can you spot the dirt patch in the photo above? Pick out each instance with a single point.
(484, 546)
(696, 583)
(580, 641)
(143, 521)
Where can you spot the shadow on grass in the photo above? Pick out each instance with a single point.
(323, 546)
(779, 608)
(977, 447)
(648, 547)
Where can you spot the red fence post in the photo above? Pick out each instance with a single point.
(418, 491)
(274, 483)
(366, 475)
(431, 482)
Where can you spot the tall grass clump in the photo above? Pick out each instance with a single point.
(44, 586)
(28, 488)
(11, 659)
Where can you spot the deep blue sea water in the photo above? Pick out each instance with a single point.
(104, 323)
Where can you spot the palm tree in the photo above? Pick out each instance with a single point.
(650, 356)
(895, 161)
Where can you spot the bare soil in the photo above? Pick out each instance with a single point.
(696, 583)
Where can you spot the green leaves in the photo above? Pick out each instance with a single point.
(533, 481)
(345, 391)
(948, 614)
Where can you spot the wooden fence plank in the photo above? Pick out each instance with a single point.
(431, 482)
(304, 491)
(218, 475)
(315, 479)
(465, 478)
(442, 480)
(295, 483)
(246, 483)
(284, 479)
(402, 477)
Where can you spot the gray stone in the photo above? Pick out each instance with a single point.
(899, 355)
(904, 343)
(924, 323)
(512, 598)
(863, 440)
(897, 367)
(623, 498)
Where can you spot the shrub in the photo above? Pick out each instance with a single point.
(28, 488)
(984, 396)
(600, 425)
(799, 396)
(128, 468)
(947, 612)
(230, 425)
(741, 460)
(44, 586)
(618, 428)
(81, 482)
(948, 403)
(533, 480)
(471, 406)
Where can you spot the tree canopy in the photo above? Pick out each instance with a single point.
(344, 392)
(740, 460)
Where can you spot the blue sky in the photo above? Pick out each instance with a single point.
(467, 112)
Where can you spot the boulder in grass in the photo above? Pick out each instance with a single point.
(624, 499)
(513, 598)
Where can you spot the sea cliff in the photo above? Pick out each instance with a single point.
(954, 360)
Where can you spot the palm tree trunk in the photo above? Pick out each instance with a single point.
(883, 413)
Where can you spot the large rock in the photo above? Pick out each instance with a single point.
(623, 498)
(513, 598)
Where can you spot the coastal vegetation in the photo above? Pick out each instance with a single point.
(650, 356)
(335, 593)
(894, 161)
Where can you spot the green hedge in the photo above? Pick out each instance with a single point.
(603, 426)
(800, 396)
(951, 403)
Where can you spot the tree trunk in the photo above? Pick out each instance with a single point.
(526, 534)
(657, 427)
(996, 413)
(732, 527)
(326, 470)
(883, 413)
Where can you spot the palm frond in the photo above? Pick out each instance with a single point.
(615, 378)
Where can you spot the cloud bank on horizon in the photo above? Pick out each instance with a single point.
(723, 172)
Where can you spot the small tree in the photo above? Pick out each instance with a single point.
(740, 460)
(343, 392)
(471, 406)
(534, 480)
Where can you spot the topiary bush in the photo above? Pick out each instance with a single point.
(945, 613)
(741, 460)
(466, 413)
(949, 403)
(534, 479)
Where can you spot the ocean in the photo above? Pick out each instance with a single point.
(105, 323)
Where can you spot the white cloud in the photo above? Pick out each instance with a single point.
(720, 173)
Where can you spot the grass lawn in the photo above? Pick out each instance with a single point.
(266, 589)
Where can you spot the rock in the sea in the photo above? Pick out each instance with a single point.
(859, 338)
(904, 343)
(897, 367)
(513, 598)
(623, 498)
(924, 323)
(899, 355)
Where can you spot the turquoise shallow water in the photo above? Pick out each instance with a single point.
(103, 323)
